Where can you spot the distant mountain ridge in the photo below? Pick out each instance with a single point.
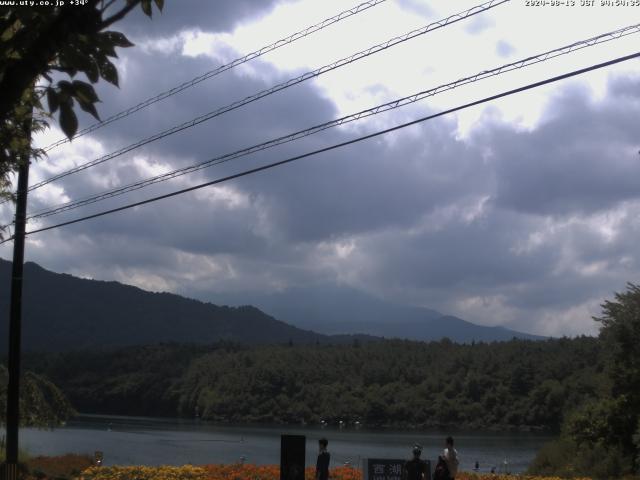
(63, 312)
(342, 310)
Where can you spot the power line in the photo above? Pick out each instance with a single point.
(281, 86)
(339, 145)
(223, 68)
(340, 121)
(306, 76)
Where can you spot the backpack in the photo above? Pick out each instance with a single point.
(414, 469)
(441, 471)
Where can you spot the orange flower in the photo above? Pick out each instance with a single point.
(252, 472)
(271, 472)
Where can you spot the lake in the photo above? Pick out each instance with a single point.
(154, 441)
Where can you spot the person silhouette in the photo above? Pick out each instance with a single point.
(416, 468)
(324, 457)
(450, 456)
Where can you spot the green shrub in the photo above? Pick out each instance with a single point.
(565, 458)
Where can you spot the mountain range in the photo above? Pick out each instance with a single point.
(63, 312)
(335, 310)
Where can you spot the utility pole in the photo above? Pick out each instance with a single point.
(13, 389)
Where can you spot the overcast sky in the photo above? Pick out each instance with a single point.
(523, 212)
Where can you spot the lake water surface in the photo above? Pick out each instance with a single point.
(152, 441)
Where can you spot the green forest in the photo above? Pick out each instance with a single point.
(517, 384)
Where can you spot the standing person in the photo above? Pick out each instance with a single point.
(415, 469)
(322, 465)
(450, 456)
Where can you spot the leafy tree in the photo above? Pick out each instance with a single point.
(42, 51)
(620, 334)
(604, 433)
(603, 421)
(42, 404)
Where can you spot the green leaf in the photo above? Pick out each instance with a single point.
(108, 72)
(86, 97)
(52, 100)
(73, 59)
(89, 108)
(68, 120)
(146, 7)
(65, 87)
(92, 72)
(84, 92)
(108, 49)
(159, 4)
(118, 39)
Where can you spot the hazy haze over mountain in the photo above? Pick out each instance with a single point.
(343, 310)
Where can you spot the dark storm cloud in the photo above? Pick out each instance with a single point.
(190, 224)
(88, 254)
(205, 15)
(459, 252)
(512, 214)
(625, 87)
(563, 292)
(377, 186)
(370, 186)
(297, 107)
(582, 158)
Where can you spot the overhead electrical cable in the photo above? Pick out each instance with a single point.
(222, 68)
(281, 86)
(531, 60)
(338, 145)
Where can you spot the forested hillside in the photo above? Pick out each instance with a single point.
(62, 312)
(519, 384)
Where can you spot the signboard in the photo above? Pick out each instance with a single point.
(383, 469)
(387, 469)
(292, 457)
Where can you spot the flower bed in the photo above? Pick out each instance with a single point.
(60, 467)
(208, 472)
(185, 472)
(251, 472)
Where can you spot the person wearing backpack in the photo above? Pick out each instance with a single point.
(441, 472)
(450, 457)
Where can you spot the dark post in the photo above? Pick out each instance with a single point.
(13, 388)
(292, 457)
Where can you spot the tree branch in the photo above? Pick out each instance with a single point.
(120, 15)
